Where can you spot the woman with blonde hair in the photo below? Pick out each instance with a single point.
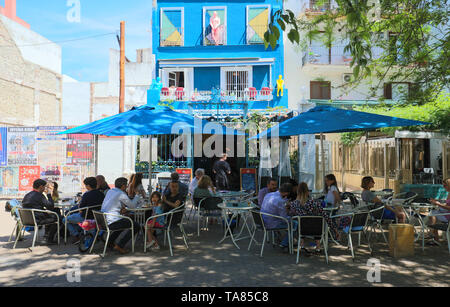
(205, 188)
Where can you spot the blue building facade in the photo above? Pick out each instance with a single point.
(210, 55)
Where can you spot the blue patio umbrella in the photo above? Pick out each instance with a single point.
(147, 121)
(326, 119)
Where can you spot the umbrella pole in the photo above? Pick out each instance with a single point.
(322, 153)
(150, 165)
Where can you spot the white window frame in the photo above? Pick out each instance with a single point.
(188, 77)
(224, 23)
(182, 24)
(224, 70)
(246, 19)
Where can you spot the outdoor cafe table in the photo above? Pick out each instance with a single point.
(231, 194)
(64, 206)
(236, 209)
(140, 214)
(377, 193)
(419, 211)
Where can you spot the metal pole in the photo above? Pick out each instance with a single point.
(122, 68)
(150, 165)
(322, 153)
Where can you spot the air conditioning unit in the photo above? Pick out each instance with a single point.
(346, 78)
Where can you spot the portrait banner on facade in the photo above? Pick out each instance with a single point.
(22, 146)
(51, 173)
(71, 180)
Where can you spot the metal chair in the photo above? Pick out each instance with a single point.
(357, 225)
(208, 208)
(88, 209)
(102, 224)
(442, 227)
(259, 224)
(312, 227)
(194, 206)
(376, 220)
(28, 219)
(173, 219)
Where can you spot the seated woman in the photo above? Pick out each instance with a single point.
(331, 191)
(368, 196)
(305, 206)
(205, 188)
(442, 208)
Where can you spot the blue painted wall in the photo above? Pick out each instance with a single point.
(235, 48)
(206, 78)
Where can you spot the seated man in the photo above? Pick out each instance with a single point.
(174, 198)
(183, 188)
(272, 186)
(116, 201)
(194, 183)
(92, 197)
(102, 185)
(275, 204)
(37, 200)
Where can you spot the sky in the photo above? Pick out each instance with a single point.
(87, 60)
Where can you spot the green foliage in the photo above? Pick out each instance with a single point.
(437, 113)
(418, 52)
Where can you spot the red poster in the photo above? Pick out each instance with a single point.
(185, 175)
(27, 175)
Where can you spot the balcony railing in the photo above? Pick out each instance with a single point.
(215, 37)
(331, 56)
(318, 7)
(176, 38)
(255, 33)
(249, 94)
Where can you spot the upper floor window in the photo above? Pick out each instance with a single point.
(320, 90)
(257, 23)
(172, 27)
(214, 26)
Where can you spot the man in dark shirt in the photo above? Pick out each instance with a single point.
(36, 200)
(222, 169)
(172, 200)
(102, 185)
(92, 197)
(183, 188)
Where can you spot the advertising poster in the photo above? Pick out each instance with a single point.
(51, 173)
(185, 175)
(51, 145)
(22, 146)
(70, 183)
(27, 175)
(80, 149)
(248, 179)
(3, 147)
(9, 180)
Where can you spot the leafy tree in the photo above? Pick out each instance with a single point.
(416, 49)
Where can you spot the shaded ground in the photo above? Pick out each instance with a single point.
(208, 263)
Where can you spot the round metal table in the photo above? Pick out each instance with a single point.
(236, 209)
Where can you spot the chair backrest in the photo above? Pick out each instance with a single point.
(197, 201)
(210, 203)
(377, 211)
(359, 219)
(165, 91)
(265, 91)
(88, 212)
(100, 219)
(27, 217)
(176, 216)
(311, 225)
(353, 200)
(257, 218)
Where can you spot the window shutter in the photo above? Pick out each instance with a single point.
(388, 90)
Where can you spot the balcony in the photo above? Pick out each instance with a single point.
(216, 37)
(171, 37)
(320, 55)
(218, 101)
(318, 7)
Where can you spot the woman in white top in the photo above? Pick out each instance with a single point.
(136, 190)
(332, 195)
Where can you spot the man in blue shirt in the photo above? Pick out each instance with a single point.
(275, 204)
(272, 185)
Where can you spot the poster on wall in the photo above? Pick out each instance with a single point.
(70, 183)
(22, 146)
(185, 175)
(27, 175)
(80, 149)
(3, 147)
(9, 181)
(51, 146)
(249, 179)
(51, 173)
